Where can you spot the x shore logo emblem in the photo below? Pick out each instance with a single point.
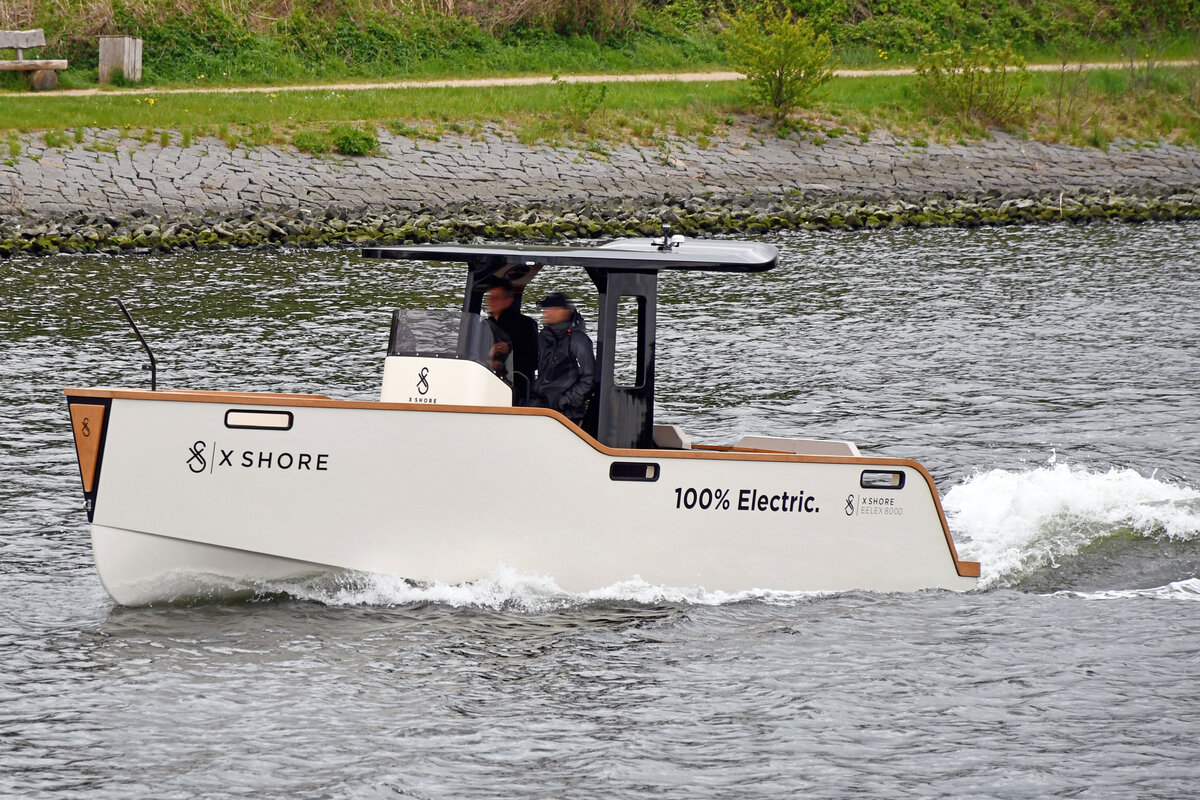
(423, 387)
(196, 461)
(274, 460)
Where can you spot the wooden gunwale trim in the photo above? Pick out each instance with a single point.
(194, 395)
(732, 448)
(718, 452)
(966, 569)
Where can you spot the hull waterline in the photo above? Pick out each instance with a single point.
(138, 569)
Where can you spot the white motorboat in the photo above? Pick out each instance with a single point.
(191, 493)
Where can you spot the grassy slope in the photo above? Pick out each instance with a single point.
(1143, 105)
(238, 42)
(274, 41)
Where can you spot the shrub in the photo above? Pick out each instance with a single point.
(596, 18)
(579, 100)
(350, 141)
(315, 142)
(982, 86)
(784, 60)
(117, 78)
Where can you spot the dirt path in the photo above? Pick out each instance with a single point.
(680, 77)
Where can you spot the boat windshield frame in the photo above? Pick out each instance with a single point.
(619, 415)
(440, 333)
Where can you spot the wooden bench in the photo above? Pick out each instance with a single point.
(43, 73)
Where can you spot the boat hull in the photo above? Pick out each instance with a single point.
(260, 487)
(143, 568)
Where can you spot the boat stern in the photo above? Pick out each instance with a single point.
(89, 417)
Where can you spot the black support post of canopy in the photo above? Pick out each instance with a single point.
(625, 413)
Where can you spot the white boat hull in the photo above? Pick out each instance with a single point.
(138, 569)
(450, 494)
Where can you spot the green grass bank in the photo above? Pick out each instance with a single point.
(1091, 108)
(232, 42)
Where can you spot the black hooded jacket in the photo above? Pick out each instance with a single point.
(522, 334)
(566, 368)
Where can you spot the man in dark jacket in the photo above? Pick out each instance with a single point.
(522, 333)
(566, 361)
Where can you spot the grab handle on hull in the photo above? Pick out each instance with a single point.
(142, 339)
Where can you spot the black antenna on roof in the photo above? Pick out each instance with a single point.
(667, 242)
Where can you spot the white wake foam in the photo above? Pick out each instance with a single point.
(1177, 590)
(1015, 522)
(510, 590)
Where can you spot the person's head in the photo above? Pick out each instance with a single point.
(556, 308)
(500, 297)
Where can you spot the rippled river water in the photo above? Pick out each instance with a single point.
(1048, 377)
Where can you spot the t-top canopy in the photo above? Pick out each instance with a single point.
(622, 254)
(619, 415)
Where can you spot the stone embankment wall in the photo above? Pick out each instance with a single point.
(111, 193)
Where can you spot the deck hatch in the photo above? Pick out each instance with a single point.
(258, 420)
(633, 471)
(881, 479)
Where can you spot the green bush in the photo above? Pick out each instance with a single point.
(579, 100)
(912, 26)
(351, 141)
(117, 78)
(978, 87)
(315, 142)
(598, 19)
(785, 61)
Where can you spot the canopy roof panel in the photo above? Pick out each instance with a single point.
(623, 254)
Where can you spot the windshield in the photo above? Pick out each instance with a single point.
(438, 333)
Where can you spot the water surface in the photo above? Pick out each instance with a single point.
(1049, 378)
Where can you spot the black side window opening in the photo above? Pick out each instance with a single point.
(881, 479)
(629, 368)
(633, 471)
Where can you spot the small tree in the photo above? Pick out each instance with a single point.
(784, 60)
(982, 86)
(579, 100)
